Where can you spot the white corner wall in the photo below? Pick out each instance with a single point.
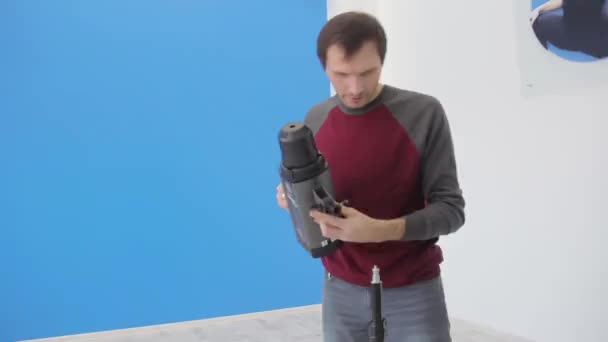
(531, 258)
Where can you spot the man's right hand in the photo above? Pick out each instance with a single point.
(281, 200)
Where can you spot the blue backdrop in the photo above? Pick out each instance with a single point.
(139, 155)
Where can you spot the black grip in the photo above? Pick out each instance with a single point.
(325, 203)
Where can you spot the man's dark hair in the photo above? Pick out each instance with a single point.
(350, 30)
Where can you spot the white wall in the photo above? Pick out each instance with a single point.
(530, 259)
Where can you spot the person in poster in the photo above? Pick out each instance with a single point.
(572, 25)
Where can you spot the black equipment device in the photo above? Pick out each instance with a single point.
(307, 183)
(377, 326)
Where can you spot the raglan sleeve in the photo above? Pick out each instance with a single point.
(444, 211)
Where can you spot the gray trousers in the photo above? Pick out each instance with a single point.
(414, 313)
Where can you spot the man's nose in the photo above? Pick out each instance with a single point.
(355, 86)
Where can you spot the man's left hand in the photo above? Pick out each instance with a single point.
(355, 226)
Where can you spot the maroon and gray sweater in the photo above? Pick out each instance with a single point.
(393, 158)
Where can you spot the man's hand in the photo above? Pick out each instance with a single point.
(281, 200)
(355, 226)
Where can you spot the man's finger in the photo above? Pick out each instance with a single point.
(327, 219)
(346, 210)
(330, 231)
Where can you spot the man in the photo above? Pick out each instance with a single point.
(391, 157)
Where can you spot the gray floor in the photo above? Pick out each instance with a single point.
(302, 324)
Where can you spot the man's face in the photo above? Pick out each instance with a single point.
(354, 79)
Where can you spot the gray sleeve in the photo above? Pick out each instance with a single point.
(444, 211)
(317, 114)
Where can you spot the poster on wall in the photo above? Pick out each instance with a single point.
(562, 45)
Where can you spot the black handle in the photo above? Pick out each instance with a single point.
(325, 203)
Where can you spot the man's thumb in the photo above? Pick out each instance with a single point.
(345, 209)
